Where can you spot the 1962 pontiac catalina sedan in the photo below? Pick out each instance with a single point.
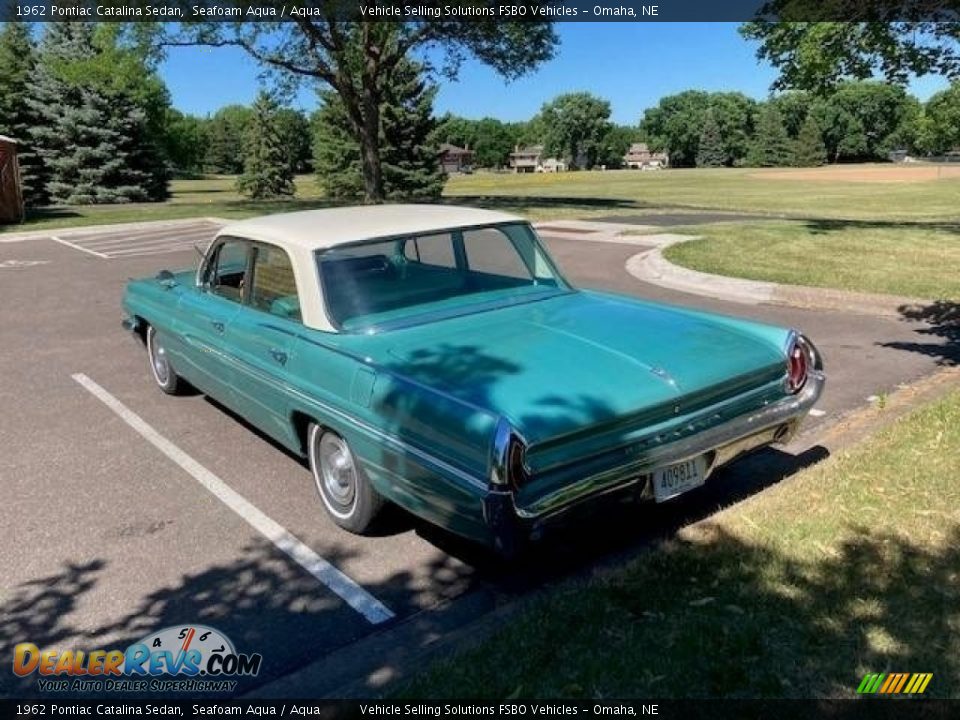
(434, 357)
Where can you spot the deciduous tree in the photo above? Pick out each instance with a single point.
(355, 59)
(575, 127)
(818, 56)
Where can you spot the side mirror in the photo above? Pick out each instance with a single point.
(167, 279)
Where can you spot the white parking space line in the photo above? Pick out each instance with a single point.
(141, 241)
(77, 247)
(349, 591)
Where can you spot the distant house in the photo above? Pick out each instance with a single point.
(640, 157)
(530, 159)
(455, 159)
(552, 165)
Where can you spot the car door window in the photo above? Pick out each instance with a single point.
(227, 272)
(274, 288)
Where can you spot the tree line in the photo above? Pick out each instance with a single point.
(96, 122)
(856, 121)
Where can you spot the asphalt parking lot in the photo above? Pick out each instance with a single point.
(109, 535)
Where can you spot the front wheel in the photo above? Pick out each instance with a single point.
(167, 380)
(349, 498)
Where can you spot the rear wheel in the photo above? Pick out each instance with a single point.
(346, 493)
(160, 366)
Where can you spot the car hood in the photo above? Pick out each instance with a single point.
(580, 359)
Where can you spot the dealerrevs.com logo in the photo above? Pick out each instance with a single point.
(188, 658)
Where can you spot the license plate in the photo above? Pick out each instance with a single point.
(672, 480)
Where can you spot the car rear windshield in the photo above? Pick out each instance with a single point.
(387, 282)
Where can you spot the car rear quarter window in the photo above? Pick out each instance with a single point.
(274, 288)
(491, 252)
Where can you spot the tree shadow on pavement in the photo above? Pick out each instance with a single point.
(938, 320)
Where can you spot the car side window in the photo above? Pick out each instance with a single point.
(491, 252)
(274, 288)
(227, 271)
(436, 250)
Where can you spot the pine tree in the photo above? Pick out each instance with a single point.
(407, 141)
(336, 155)
(266, 169)
(17, 116)
(411, 168)
(771, 145)
(93, 136)
(809, 149)
(710, 152)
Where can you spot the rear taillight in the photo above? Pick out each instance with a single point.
(798, 364)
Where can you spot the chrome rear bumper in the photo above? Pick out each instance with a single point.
(775, 423)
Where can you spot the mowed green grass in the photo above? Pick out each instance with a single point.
(214, 196)
(850, 567)
(917, 260)
(625, 192)
(564, 195)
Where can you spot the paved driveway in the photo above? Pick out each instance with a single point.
(106, 537)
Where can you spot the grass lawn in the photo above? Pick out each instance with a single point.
(852, 566)
(214, 196)
(727, 189)
(919, 260)
(899, 237)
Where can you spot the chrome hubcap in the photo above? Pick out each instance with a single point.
(338, 469)
(161, 366)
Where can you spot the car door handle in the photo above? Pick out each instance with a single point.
(279, 355)
(217, 325)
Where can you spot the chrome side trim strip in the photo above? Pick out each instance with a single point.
(429, 460)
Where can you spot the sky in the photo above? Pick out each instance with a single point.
(632, 65)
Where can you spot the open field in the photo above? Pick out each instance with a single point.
(865, 578)
(832, 194)
(899, 258)
(867, 173)
(770, 192)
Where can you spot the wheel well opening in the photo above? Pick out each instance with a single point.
(301, 423)
(141, 329)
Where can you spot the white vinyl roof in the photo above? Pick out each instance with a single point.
(318, 229)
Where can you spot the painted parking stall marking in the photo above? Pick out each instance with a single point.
(140, 241)
(340, 584)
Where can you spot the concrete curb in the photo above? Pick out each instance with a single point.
(111, 228)
(650, 266)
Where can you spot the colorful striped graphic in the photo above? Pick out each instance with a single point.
(894, 683)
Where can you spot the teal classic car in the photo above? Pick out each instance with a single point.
(435, 357)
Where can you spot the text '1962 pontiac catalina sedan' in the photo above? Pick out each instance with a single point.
(434, 357)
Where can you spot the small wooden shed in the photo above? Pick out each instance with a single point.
(11, 193)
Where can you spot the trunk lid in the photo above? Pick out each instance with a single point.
(585, 362)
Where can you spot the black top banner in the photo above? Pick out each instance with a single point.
(478, 10)
(459, 709)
